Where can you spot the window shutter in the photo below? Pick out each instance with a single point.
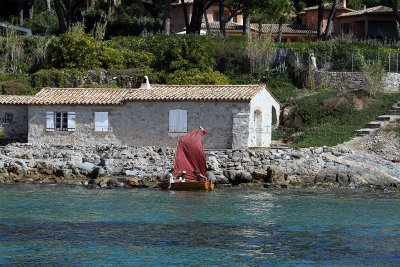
(172, 121)
(178, 121)
(182, 121)
(49, 121)
(101, 121)
(71, 121)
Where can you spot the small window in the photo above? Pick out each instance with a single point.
(60, 121)
(101, 121)
(178, 121)
(8, 118)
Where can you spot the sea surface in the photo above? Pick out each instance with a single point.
(73, 226)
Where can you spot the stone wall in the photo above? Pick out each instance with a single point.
(138, 124)
(97, 165)
(349, 81)
(18, 128)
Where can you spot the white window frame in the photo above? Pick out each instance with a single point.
(62, 121)
(178, 121)
(101, 121)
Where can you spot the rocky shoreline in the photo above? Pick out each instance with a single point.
(371, 162)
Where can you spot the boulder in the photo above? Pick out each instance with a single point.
(262, 175)
(86, 167)
(114, 182)
(76, 159)
(101, 181)
(231, 175)
(220, 179)
(67, 173)
(244, 177)
(21, 163)
(133, 181)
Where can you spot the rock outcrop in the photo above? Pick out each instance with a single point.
(367, 162)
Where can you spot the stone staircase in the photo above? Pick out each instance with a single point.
(372, 126)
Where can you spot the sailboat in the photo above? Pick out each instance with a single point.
(190, 159)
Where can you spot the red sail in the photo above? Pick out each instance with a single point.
(190, 155)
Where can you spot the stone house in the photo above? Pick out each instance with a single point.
(14, 117)
(235, 116)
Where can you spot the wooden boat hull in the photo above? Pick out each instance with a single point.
(188, 186)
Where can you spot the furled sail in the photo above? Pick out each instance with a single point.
(190, 155)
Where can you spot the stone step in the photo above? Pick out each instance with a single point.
(396, 106)
(365, 131)
(384, 118)
(373, 125)
(393, 112)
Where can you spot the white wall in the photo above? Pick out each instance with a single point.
(263, 102)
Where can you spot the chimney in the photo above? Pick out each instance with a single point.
(363, 7)
(342, 3)
(146, 83)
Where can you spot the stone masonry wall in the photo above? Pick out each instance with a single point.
(138, 124)
(18, 128)
(349, 81)
(110, 166)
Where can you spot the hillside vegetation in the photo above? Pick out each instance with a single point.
(76, 58)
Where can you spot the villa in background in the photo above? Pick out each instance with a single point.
(235, 116)
(370, 23)
(376, 22)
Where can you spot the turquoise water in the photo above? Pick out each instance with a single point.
(64, 226)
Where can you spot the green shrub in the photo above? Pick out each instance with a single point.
(135, 59)
(281, 86)
(74, 50)
(195, 76)
(12, 84)
(182, 52)
(242, 79)
(43, 23)
(231, 55)
(111, 58)
(57, 78)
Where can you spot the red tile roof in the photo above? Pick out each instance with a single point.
(196, 93)
(15, 99)
(326, 6)
(266, 28)
(376, 10)
(80, 96)
(88, 96)
(286, 28)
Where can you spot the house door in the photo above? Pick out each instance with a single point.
(258, 128)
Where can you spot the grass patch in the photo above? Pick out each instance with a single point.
(281, 86)
(331, 118)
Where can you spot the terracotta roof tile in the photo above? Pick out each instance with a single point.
(286, 28)
(88, 96)
(80, 96)
(15, 99)
(196, 93)
(326, 6)
(369, 11)
(214, 25)
(266, 28)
